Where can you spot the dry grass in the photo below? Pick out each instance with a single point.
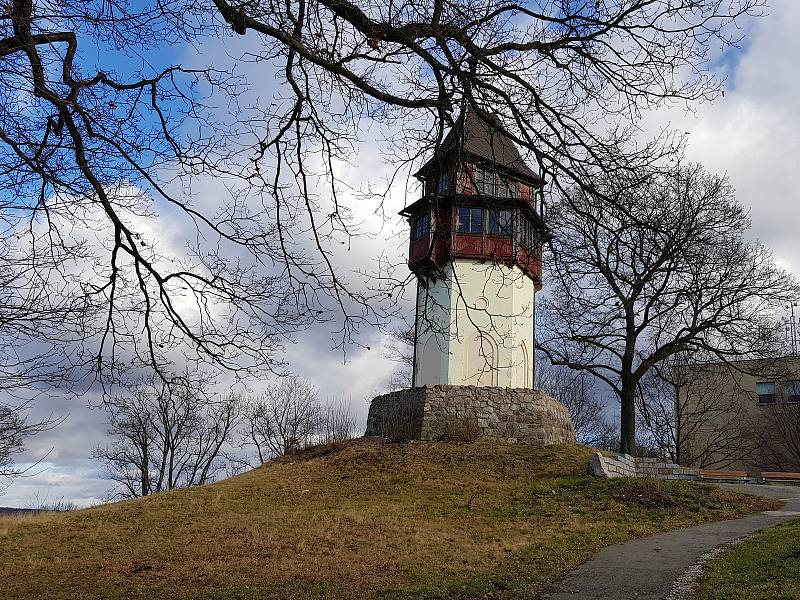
(367, 520)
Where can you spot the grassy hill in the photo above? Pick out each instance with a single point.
(367, 520)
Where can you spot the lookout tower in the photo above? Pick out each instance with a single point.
(476, 239)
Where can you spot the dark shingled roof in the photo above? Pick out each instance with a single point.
(471, 136)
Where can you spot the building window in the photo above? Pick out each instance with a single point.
(470, 220)
(528, 232)
(525, 231)
(506, 187)
(444, 183)
(791, 391)
(500, 222)
(766, 392)
(484, 181)
(421, 226)
(490, 183)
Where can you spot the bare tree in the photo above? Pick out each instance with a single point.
(43, 503)
(166, 436)
(34, 303)
(400, 349)
(282, 419)
(695, 412)
(778, 437)
(100, 156)
(661, 269)
(336, 423)
(15, 428)
(288, 416)
(777, 432)
(577, 391)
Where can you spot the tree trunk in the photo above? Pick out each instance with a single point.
(627, 433)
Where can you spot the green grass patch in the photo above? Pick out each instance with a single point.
(371, 520)
(766, 566)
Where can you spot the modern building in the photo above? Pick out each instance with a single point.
(475, 248)
(739, 415)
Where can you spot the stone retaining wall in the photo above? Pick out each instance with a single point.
(515, 415)
(625, 465)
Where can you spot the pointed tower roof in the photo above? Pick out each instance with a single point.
(473, 137)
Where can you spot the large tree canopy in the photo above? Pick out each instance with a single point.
(115, 115)
(654, 267)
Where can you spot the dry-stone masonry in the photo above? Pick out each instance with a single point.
(625, 465)
(515, 415)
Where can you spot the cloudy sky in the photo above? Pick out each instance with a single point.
(752, 134)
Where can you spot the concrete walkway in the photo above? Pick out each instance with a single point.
(648, 569)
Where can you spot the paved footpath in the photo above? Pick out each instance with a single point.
(648, 569)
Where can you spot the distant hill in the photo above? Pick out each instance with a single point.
(7, 510)
(366, 520)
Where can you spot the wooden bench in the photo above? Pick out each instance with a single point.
(709, 474)
(779, 476)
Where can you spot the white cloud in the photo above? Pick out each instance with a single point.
(753, 132)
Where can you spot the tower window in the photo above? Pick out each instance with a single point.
(444, 183)
(484, 181)
(490, 183)
(506, 187)
(527, 232)
(500, 222)
(470, 220)
(421, 226)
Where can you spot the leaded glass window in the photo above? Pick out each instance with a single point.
(421, 226)
(500, 222)
(470, 220)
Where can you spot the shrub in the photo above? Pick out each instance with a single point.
(460, 430)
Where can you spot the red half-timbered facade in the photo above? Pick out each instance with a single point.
(479, 201)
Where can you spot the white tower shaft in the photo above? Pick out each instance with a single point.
(475, 326)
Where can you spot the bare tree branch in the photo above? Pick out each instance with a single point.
(110, 147)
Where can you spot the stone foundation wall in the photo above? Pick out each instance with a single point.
(514, 415)
(397, 415)
(625, 465)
